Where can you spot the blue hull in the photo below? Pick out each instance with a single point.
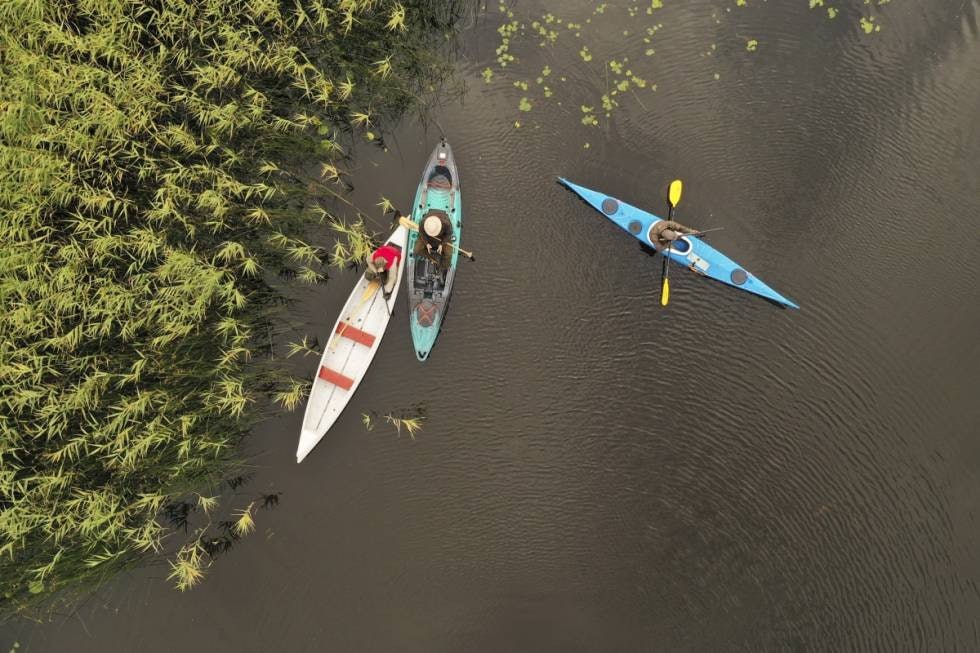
(429, 289)
(691, 251)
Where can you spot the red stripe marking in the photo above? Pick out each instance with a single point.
(355, 334)
(336, 378)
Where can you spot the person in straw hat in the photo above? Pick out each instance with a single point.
(435, 238)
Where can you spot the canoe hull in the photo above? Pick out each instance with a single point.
(348, 352)
(429, 289)
(692, 252)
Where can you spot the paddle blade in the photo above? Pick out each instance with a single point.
(369, 290)
(408, 224)
(665, 293)
(674, 196)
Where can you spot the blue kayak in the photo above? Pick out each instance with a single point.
(429, 287)
(689, 251)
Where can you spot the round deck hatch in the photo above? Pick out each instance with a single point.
(635, 226)
(609, 206)
(739, 276)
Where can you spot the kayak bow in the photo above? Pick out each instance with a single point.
(689, 251)
(350, 349)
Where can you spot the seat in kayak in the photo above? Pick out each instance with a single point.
(441, 178)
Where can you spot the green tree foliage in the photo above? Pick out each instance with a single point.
(151, 195)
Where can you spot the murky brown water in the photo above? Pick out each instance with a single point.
(598, 473)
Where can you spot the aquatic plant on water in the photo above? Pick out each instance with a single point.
(155, 190)
(624, 77)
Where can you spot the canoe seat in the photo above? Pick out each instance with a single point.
(335, 378)
(353, 333)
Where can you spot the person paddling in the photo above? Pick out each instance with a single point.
(434, 238)
(667, 231)
(382, 264)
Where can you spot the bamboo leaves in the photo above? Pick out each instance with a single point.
(152, 191)
(291, 397)
(187, 570)
(396, 21)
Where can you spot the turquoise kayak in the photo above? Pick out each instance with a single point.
(689, 251)
(429, 287)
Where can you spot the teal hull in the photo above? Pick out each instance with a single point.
(429, 289)
(693, 252)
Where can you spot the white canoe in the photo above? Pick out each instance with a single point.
(348, 352)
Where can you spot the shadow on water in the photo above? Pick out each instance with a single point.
(186, 516)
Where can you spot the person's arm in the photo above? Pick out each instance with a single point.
(369, 272)
(674, 226)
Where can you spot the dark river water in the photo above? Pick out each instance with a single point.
(597, 472)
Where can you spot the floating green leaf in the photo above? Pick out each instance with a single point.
(868, 25)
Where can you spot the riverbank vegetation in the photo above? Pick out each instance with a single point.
(162, 165)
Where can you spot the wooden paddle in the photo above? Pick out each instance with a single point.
(369, 292)
(673, 198)
(405, 222)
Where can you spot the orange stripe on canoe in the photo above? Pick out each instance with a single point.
(361, 337)
(335, 378)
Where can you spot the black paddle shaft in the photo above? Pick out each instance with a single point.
(666, 269)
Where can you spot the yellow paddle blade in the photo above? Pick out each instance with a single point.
(408, 224)
(665, 293)
(371, 288)
(674, 195)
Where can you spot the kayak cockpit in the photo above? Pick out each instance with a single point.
(441, 179)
